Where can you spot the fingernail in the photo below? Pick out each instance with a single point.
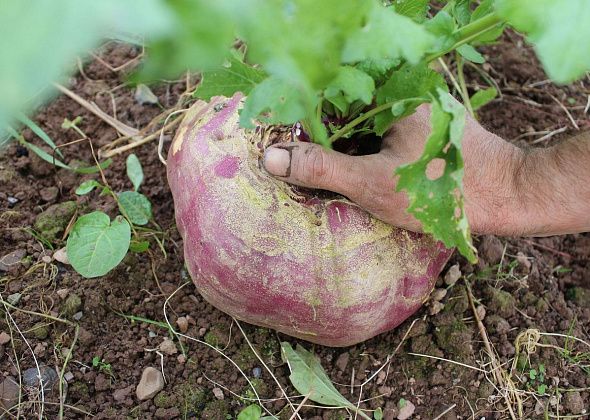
(277, 161)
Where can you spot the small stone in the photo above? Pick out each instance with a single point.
(144, 95)
(12, 259)
(62, 293)
(39, 350)
(481, 312)
(46, 259)
(61, 256)
(182, 323)
(218, 393)
(12, 200)
(9, 391)
(49, 377)
(438, 294)
(435, 308)
(168, 347)
(257, 372)
(68, 376)
(14, 298)
(4, 338)
(342, 361)
(202, 331)
(150, 384)
(181, 358)
(523, 260)
(152, 334)
(406, 409)
(77, 316)
(49, 194)
(453, 275)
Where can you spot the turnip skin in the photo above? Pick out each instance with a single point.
(325, 271)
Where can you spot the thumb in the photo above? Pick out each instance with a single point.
(310, 165)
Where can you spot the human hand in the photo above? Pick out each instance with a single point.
(489, 188)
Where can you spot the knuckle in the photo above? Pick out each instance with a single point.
(316, 167)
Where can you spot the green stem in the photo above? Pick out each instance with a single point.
(461, 76)
(468, 33)
(361, 118)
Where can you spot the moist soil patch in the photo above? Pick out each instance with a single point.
(532, 294)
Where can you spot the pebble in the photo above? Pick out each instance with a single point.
(62, 293)
(4, 338)
(78, 316)
(453, 275)
(481, 312)
(181, 359)
(342, 361)
(218, 393)
(406, 410)
(49, 194)
(14, 298)
(12, 200)
(68, 376)
(202, 331)
(150, 384)
(10, 260)
(8, 393)
(46, 259)
(491, 249)
(257, 372)
(523, 260)
(168, 347)
(49, 377)
(438, 294)
(152, 334)
(182, 323)
(435, 308)
(61, 256)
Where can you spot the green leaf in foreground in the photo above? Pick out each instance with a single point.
(234, 76)
(136, 207)
(438, 203)
(309, 378)
(352, 84)
(471, 54)
(95, 245)
(558, 29)
(134, 171)
(414, 9)
(483, 97)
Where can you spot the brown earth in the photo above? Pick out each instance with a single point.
(524, 286)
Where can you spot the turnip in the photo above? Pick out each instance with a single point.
(321, 269)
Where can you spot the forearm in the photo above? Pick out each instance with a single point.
(552, 186)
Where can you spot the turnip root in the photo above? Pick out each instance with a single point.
(321, 269)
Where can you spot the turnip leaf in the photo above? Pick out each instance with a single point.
(134, 170)
(354, 84)
(483, 97)
(234, 76)
(414, 9)
(438, 203)
(559, 31)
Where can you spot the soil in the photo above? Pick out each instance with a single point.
(533, 294)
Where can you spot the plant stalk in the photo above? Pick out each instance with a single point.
(461, 76)
(361, 118)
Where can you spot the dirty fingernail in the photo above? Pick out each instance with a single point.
(277, 161)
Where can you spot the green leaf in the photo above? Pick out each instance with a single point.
(85, 170)
(95, 245)
(43, 154)
(252, 412)
(414, 9)
(471, 54)
(411, 84)
(483, 97)
(559, 31)
(136, 207)
(134, 171)
(139, 246)
(309, 378)
(378, 414)
(274, 101)
(353, 84)
(87, 186)
(387, 35)
(200, 40)
(485, 8)
(438, 203)
(442, 26)
(462, 11)
(40, 133)
(35, 54)
(234, 76)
